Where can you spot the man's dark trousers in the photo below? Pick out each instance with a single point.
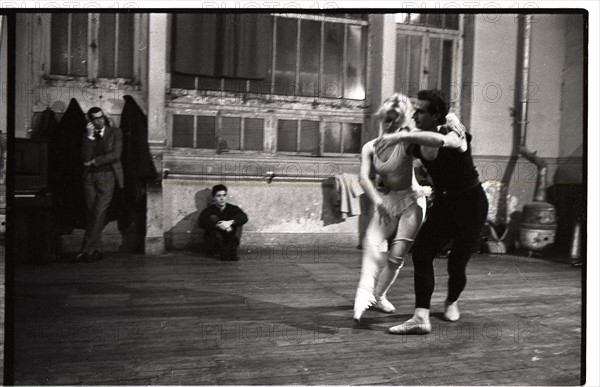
(224, 243)
(98, 187)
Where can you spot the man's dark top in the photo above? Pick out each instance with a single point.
(452, 170)
(110, 147)
(230, 212)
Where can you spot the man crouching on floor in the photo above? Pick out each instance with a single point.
(222, 223)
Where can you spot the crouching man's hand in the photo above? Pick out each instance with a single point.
(225, 225)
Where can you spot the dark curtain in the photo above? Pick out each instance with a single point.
(222, 45)
(65, 169)
(138, 167)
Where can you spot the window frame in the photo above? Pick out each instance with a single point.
(92, 77)
(457, 37)
(324, 19)
(243, 117)
(269, 107)
(341, 121)
(218, 113)
(296, 96)
(298, 118)
(270, 130)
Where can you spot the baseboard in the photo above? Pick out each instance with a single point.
(252, 239)
(70, 244)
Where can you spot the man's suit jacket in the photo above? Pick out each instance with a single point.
(112, 144)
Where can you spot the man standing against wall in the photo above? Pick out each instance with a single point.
(101, 155)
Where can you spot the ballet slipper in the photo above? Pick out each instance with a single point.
(418, 324)
(364, 299)
(413, 326)
(384, 305)
(452, 313)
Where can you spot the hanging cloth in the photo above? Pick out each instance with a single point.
(66, 168)
(222, 45)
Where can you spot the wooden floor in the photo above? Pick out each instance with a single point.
(284, 316)
(2, 306)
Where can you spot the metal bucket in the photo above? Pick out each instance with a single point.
(538, 226)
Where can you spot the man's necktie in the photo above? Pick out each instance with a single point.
(97, 135)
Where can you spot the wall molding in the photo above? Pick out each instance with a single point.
(255, 167)
(549, 160)
(494, 167)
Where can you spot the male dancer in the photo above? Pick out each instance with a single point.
(459, 207)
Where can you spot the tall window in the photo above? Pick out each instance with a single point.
(319, 58)
(426, 46)
(92, 45)
(306, 55)
(310, 55)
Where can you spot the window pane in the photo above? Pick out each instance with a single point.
(231, 127)
(309, 136)
(402, 18)
(416, 18)
(351, 143)
(263, 86)
(452, 21)
(447, 64)
(435, 53)
(253, 133)
(106, 46)
(59, 46)
(183, 131)
(310, 42)
(79, 44)
(332, 137)
(285, 62)
(235, 85)
(182, 81)
(415, 70)
(125, 58)
(402, 65)
(435, 20)
(355, 64)
(208, 83)
(286, 135)
(333, 61)
(206, 132)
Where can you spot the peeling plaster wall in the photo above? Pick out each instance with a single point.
(572, 101)
(289, 210)
(548, 46)
(494, 72)
(35, 93)
(494, 61)
(277, 211)
(57, 97)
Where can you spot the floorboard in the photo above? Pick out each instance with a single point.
(271, 319)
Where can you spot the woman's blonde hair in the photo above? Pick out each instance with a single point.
(398, 104)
